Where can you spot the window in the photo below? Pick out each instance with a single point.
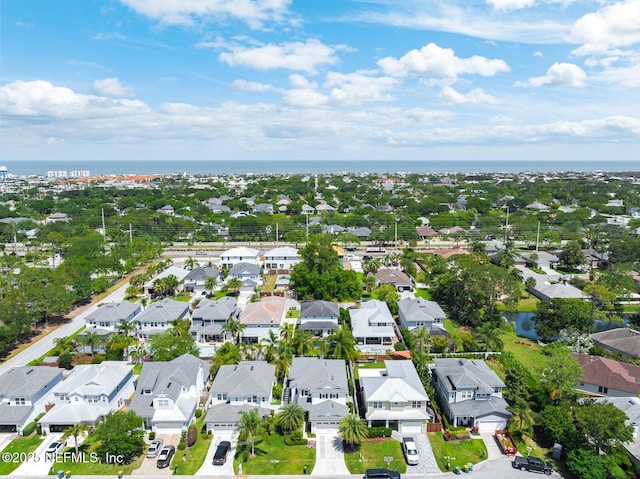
(64, 397)
(92, 399)
(376, 404)
(416, 404)
(466, 395)
(602, 389)
(146, 391)
(162, 403)
(20, 401)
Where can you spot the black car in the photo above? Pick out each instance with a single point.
(381, 474)
(220, 457)
(165, 456)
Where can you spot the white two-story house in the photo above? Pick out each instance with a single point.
(320, 387)
(168, 393)
(319, 317)
(261, 317)
(470, 394)
(239, 388)
(241, 254)
(88, 394)
(373, 326)
(281, 258)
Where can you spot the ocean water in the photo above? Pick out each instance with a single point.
(218, 167)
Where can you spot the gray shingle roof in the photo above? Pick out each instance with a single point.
(229, 413)
(319, 309)
(113, 312)
(460, 373)
(27, 381)
(220, 310)
(239, 269)
(316, 374)
(244, 379)
(419, 309)
(165, 310)
(202, 273)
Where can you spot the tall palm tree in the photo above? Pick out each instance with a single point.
(489, 334)
(91, 339)
(370, 282)
(75, 432)
(234, 327)
(271, 344)
(283, 362)
(342, 345)
(210, 283)
(422, 336)
(234, 284)
(291, 417)
(250, 425)
(190, 263)
(352, 429)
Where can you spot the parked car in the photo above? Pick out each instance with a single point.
(220, 457)
(410, 451)
(165, 456)
(381, 474)
(532, 464)
(53, 449)
(154, 448)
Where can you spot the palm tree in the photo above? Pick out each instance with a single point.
(91, 339)
(210, 283)
(132, 292)
(234, 284)
(370, 283)
(234, 327)
(342, 345)
(489, 334)
(422, 336)
(270, 344)
(301, 343)
(283, 363)
(191, 263)
(249, 426)
(352, 429)
(291, 417)
(75, 432)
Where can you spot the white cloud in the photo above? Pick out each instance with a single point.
(112, 87)
(538, 54)
(432, 60)
(510, 4)
(299, 81)
(558, 74)
(244, 85)
(612, 26)
(296, 56)
(477, 95)
(355, 88)
(187, 12)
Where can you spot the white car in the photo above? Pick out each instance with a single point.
(410, 451)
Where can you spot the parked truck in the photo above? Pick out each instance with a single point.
(532, 464)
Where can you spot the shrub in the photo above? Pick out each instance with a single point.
(378, 432)
(277, 392)
(29, 428)
(152, 435)
(65, 360)
(198, 413)
(295, 439)
(192, 436)
(182, 446)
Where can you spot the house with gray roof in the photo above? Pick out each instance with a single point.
(631, 407)
(373, 326)
(158, 316)
(179, 273)
(541, 259)
(394, 397)
(470, 394)
(549, 291)
(239, 388)
(168, 393)
(319, 317)
(88, 394)
(416, 313)
(195, 281)
(320, 387)
(108, 316)
(250, 275)
(210, 316)
(24, 392)
(284, 257)
(625, 341)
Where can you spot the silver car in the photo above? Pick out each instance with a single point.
(154, 448)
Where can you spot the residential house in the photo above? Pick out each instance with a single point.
(373, 326)
(262, 317)
(454, 230)
(425, 232)
(88, 394)
(320, 387)
(241, 254)
(281, 258)
(542, 259)
(631, 407)
(57, 218)
(625, 341)
(239, 388)
(319, 317)
(470, 394)
(109, 316)
(537, 206)
(167, 210)
(249, 274)
(395, 397)
(416, 313)
(24, 391)
(548, 291)
(210, 316)
(196, 279)
(398, 279)
(606, 377)
(168, 393)
(179, 273)
(157, 318)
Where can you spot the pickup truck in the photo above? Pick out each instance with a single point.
(410, 451)
(532, 464)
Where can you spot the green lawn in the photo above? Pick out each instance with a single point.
(423, 293)
(189, 461)
(90, 467)
(52, 351)
(20, 445)
(374, 365)
(372, 452)
(137, 369)
(274, 457)
(529, 353)
(465, 451)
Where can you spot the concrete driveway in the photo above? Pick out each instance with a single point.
(149, 467)
(40, 465)
(329, 455)
(207, 468)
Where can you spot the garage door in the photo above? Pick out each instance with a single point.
(327, 427)
(491, 426)
(412, 427)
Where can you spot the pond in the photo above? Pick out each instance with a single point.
(525, 324)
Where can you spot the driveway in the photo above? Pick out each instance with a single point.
(427, 461)
(207, 468)
(40, 465)
(329, 455)
(148, 466)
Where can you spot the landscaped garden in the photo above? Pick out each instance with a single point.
(371, 454)
(273, 456)
(464, 451)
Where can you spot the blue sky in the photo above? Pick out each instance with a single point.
(320, 79)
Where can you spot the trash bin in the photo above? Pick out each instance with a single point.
(470, 465)
(457, 470)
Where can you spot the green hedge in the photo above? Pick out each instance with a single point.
(29, 428)
(378, 432)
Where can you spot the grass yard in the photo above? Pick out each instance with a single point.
(423, 293)
(90, 467)
(274, 457)
(269, 283)
(526, 351)
(20, 445)
(189, 461)
(465, 451)
(374, 365)
(373, 452)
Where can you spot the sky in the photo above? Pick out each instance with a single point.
(128, 80)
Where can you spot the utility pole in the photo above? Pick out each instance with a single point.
(130, 234)
(506, 226)
(395, 235)
(538, 237)
(307, 225)
(104, 231)
(276, 234)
